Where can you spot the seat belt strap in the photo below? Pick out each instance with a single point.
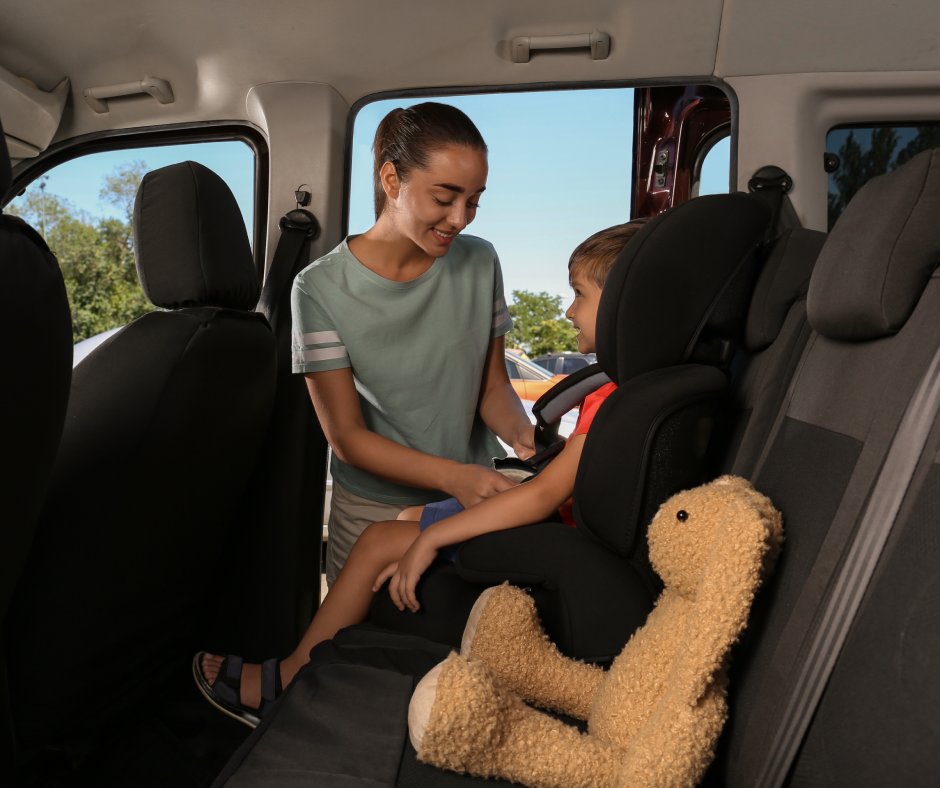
(853, 578)
(298, 228)
(771, 185)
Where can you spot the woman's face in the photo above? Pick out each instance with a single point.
(434, 204)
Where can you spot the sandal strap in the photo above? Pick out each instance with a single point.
(270, 682)
(228, 685)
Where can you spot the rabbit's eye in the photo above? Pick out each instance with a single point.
(682, 515)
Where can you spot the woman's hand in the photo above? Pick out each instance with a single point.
(407, 573)
(471, 484)
(523, 443)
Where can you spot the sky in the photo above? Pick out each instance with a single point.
(559, 170)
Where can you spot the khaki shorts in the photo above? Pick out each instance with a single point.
(350, 515)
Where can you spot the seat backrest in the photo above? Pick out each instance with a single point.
(163, 429)
(874, 307)
(678, 292)
(34, 313)
(775, 335)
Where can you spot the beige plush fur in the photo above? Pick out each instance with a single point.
(655, 716)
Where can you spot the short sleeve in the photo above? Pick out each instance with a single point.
(502, 322)
(590, 406)
(316, 345)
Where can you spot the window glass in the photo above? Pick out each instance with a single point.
(84, 207)
(512, 370)
(713, 175)
(559, 170)
(856, 154)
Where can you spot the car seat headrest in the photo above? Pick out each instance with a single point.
(675, 281)
(880, 254)
(783, 280)
(190, 239)
(6, 170)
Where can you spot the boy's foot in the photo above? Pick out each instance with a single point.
(241, 690)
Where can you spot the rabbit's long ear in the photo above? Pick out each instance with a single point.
(723, 600)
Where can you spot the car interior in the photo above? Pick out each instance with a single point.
(166, 495)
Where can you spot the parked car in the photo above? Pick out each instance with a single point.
(529, 380)
(566, 362)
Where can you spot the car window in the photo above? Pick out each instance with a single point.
(856, 154)
(714, 168)
(512, 370)
(84, 209)
(573, 364)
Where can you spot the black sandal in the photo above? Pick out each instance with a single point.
(225, 693)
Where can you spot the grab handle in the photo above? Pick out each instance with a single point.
(522, 47)
(98, 97)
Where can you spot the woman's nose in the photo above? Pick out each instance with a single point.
(458, 216)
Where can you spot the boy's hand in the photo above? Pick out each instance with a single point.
(473, 483)
(405, 579)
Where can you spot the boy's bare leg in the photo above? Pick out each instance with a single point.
(346, 604)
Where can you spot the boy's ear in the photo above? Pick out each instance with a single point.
(388, 177)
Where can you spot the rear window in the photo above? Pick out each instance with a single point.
(856, 154)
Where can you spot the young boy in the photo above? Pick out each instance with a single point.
(402, 550)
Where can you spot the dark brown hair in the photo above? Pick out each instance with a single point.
(594, 256)
(407, 137)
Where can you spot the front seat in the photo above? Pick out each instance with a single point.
(37, 327)
(163, 429)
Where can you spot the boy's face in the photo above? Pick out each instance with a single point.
(583, 310)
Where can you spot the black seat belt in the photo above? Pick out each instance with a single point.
(298, 228)
(888, 492)
(770, 184)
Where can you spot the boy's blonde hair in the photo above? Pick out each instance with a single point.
(594, 256)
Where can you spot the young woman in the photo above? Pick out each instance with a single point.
(401, 550)
(399, 332)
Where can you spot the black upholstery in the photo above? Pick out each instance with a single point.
(34, 315)
(164, 424)
(877, 722)
(680, 283)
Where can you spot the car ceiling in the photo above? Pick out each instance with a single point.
(214, 51)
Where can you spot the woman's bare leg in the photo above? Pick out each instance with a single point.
(346, 604)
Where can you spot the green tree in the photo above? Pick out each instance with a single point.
(96, 258)
(539, 325)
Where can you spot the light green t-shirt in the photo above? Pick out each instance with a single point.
(416, 349)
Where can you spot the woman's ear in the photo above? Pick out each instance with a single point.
(391, 183)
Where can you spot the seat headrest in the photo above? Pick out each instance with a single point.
(783, 280)
(671, 280)
(880, 254)
(6, 170)
(190, 239)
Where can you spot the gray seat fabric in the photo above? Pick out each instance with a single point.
(34, 315)
(164, 425)
(869, 348)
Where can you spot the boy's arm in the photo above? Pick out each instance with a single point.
(500, 408)
(531, 502)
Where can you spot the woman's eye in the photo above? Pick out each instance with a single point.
(473, 205)
(444, 203)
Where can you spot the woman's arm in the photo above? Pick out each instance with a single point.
(527, 503)
(337, 405)
(500, 408)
